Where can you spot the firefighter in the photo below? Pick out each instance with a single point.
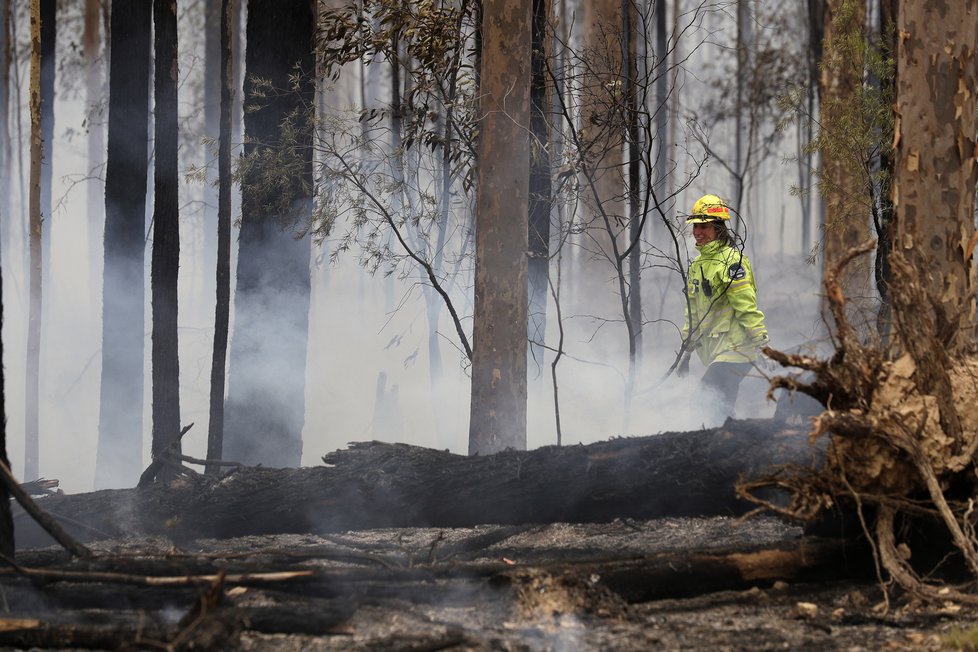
(723, 323)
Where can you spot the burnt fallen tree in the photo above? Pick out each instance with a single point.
(379, 485)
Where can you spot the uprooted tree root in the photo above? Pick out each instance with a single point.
(902, 430)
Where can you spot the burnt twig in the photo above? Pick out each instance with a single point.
(43, 519)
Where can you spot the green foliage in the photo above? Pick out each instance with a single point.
(431, 45)
(273, 175)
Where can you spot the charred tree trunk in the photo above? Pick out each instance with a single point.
(119, 456)
(222, 312)
(379, 485)
(265, 408)
(166, 233)
(32, 387)
(540, 190)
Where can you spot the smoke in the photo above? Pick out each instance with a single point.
(362, 326)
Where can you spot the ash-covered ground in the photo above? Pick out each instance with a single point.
(560, 587)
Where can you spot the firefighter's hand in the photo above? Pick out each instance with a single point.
(767, 365)
(682, 370)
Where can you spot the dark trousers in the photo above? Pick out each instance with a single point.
(724, 378)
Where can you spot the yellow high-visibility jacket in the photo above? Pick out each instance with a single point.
(722, 318)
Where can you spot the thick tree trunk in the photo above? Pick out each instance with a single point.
(166, 233)
(498, 407)
(934, 186)
(265, 409)
(119, 456)
(379, 485)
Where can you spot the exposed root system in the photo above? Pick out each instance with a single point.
(902, 429)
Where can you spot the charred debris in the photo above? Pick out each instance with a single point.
(202, 562)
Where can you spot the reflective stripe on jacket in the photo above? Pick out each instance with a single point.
(722, 311)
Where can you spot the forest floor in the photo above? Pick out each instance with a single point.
(482, 588)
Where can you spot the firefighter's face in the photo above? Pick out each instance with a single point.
(704, 233)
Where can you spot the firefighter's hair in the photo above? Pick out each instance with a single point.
(724, 234)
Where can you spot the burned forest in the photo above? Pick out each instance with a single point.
(488, 325)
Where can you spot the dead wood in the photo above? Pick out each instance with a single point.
(44, 520)
(902, 426)
(168, 457)
(319, 601)
(378, 485)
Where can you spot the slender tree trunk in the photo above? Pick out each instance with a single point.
(119, 458)
(603, 208)
(5, 148)
(32, 386)
(222, 313)
(805, 126)
(6, 520)
(635, 223)
(265, 409)
(744, 46)
(846, 207)
(498, 405)
(540, 190)
(213, 69)
(936, 174)
(882, 271)
(95, 193)
(166, 232)
(49, 33)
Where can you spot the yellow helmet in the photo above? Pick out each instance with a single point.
(708, 208)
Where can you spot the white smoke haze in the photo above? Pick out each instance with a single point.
(362, 326)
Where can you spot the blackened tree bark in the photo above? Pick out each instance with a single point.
(118, 460)
(498, 402)
(32, 381)
(215, 429)
(264, 412)
(166, 233)
(540, 186)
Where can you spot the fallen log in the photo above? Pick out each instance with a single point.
(380, 485)
(82, 609)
